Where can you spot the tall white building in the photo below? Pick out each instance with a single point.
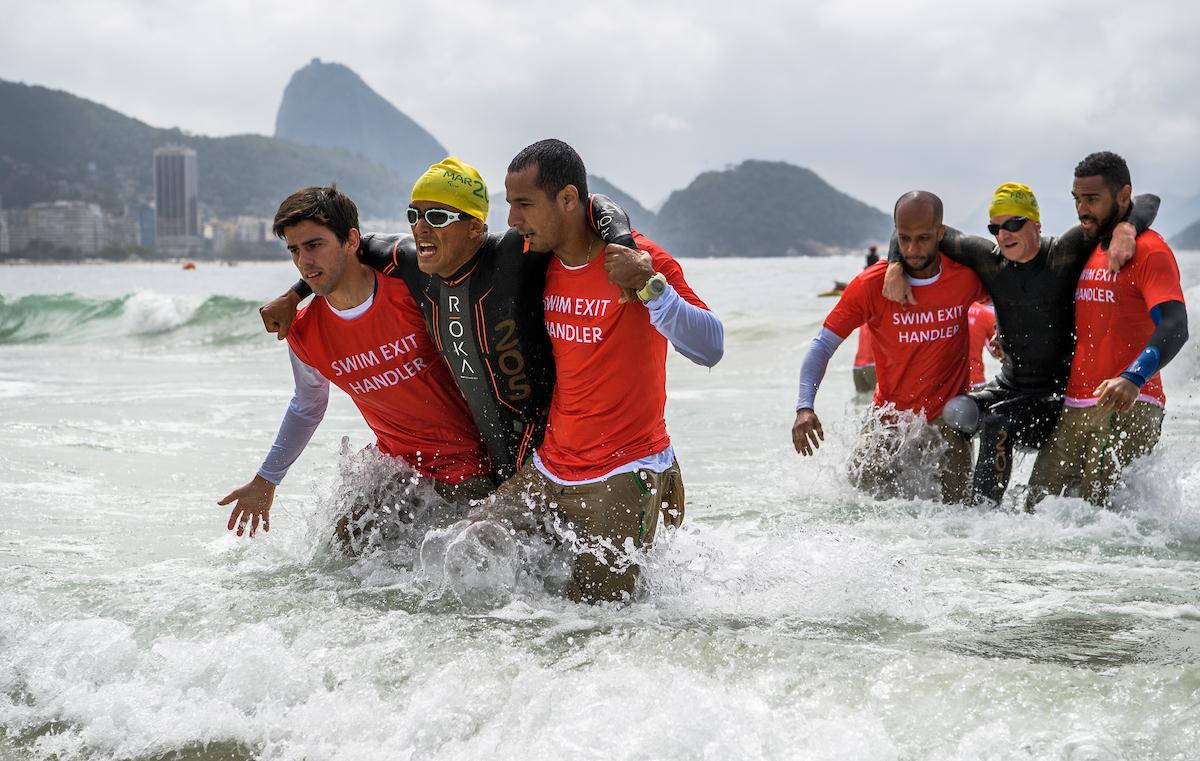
(177, 200)
(66, 224)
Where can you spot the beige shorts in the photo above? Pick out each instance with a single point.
(864, 379)
(1089, 449)
(605, 524)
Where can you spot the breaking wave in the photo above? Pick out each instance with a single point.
(68, 318)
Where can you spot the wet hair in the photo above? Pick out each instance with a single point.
(558, 165)
(328, 207)
(922, 197)
(1107, 165)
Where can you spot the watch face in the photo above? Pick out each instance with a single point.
(653, 288)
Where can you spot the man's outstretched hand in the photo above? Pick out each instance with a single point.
(807, 433)
(252, 505)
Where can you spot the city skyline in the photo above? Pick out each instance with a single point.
(171, 224)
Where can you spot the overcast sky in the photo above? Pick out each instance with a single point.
(877, 97)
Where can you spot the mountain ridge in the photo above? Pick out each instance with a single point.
(766, 208)
(1187, 239)
(329, 105)
(58, 146)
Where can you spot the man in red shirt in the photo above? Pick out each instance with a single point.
(606, 466)
(366, 335)
(1128, 326)
(920, 352)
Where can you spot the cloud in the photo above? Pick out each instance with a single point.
(875, 96)
(666, 123)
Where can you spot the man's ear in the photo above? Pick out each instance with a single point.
(477, 230)
(568, 198)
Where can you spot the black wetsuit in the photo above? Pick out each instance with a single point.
(1035, 319)
(487, 321)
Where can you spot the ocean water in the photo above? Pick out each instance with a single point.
(790, 617)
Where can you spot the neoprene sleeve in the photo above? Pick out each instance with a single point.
(816, 362)
(694, 332)
(300, 421)
(1169, 336)
(1172, 331)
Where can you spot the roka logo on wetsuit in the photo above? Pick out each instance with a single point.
(459, 359)
(462, 352)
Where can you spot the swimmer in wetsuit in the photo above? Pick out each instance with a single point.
(1032, 281)
(481, 295)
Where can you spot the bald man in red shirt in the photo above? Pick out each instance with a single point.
(920, 353)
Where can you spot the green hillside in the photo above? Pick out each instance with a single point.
(54, 145)
(765, 208)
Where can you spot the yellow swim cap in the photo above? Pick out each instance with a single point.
(454, 183)
(1016, 199)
